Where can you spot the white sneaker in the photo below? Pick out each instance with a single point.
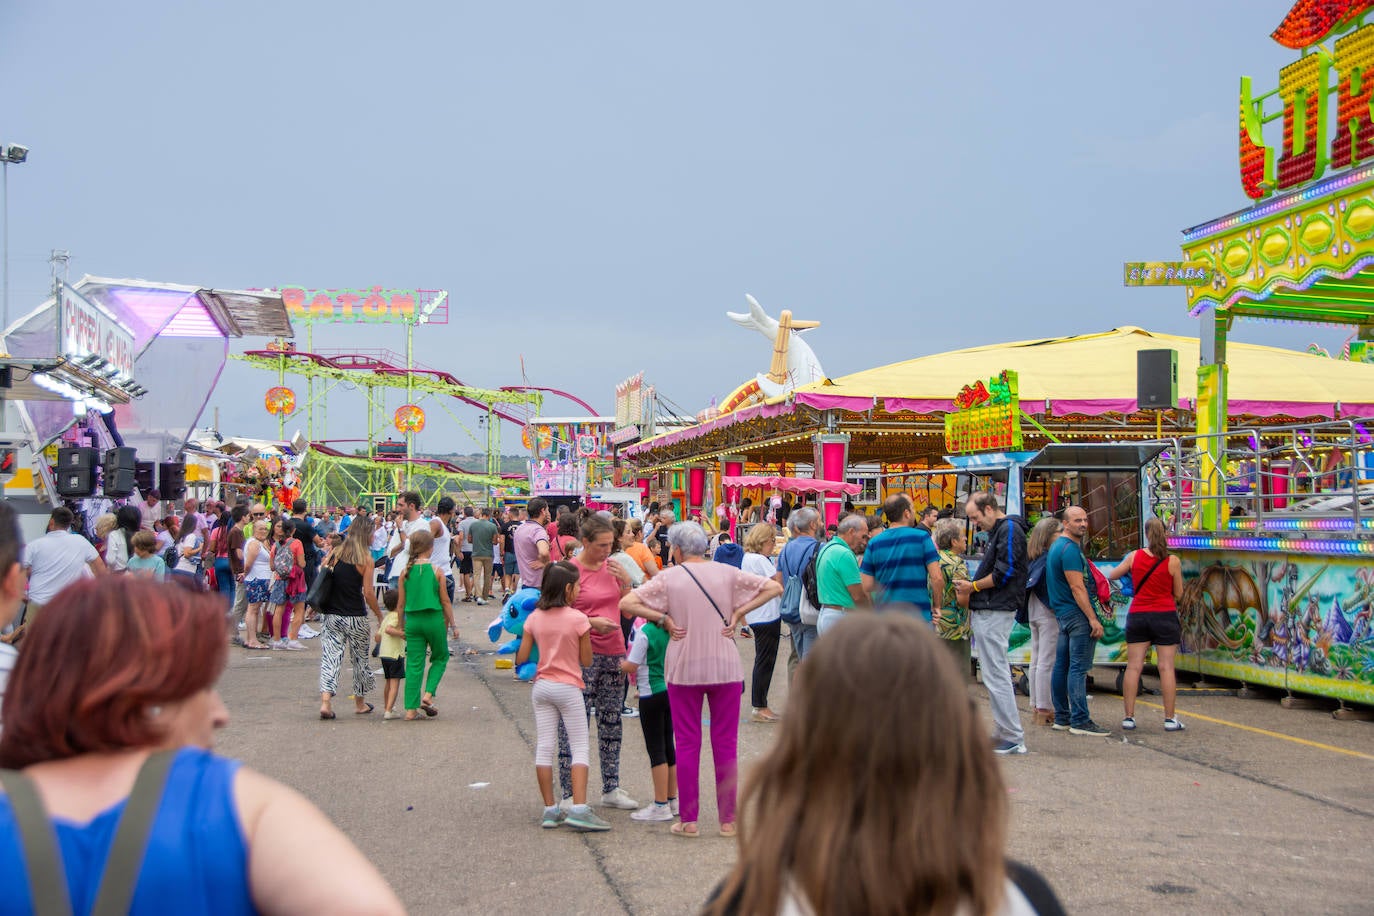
(307, 632)
(619, 798)
(294, 646)
(672, 806)
(1173, 725)
(653, 812)
(279, 644)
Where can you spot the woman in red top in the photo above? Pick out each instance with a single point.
(1157, 583)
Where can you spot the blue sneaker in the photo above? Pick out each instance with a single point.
(553, 817)
(1003, 748)
(584, 818)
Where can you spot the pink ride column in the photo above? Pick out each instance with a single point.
(731, 466)
(831, 456)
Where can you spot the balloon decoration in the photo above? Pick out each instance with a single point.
(527, 436)
(280, 400)
(409, 418)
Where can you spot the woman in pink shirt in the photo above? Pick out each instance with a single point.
(707, 602)
(563, 637)
(600, 586)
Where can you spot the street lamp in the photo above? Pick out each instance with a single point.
(9, 153)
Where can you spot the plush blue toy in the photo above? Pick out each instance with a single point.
(517, 608)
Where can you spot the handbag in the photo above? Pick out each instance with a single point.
(1100, 596)
(318, 592)
(47, 884)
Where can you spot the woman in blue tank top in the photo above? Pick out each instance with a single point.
(120, 670)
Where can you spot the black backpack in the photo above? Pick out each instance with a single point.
(808, 576)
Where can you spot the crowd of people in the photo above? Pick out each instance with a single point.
(657, 603)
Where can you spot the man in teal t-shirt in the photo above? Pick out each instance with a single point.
(838, 582)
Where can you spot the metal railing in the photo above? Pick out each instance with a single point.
(1308, 476)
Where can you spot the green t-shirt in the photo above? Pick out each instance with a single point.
(482, 534)
(836, 569)
(422, 588)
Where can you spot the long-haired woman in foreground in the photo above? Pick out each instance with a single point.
(113, 703)
(873, 807)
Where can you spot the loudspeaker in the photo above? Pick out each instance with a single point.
(117, 473)
(77, 458)
(171, 479)
(1156, 379)
(145, 476)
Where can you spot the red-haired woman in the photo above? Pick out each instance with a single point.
(112, 703)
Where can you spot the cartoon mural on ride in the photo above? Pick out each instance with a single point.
(1264, 618)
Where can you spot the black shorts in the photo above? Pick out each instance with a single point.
(1160, 628)
(465, 565)
(393, 669)
(656, 721)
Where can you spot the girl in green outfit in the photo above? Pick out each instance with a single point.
(427, 618)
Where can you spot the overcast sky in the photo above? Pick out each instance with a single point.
(595, 184)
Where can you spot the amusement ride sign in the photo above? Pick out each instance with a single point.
(375, 305)
(988, 418)
(89, 330)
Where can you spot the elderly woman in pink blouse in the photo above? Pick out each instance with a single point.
(705, 603)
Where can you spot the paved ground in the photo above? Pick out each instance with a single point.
(1218, 819)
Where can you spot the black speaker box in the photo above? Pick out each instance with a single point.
(1156, 379)
(171, 479)
(75, 481)
(145, 476)
(77, 459)
(117, 483)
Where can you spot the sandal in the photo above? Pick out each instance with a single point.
(429, 708)
(412, 716)
(686, 829)
(327, 715)
(727, 830)
(363, 712)
(255, 645)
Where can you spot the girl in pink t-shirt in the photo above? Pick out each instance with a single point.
(563, 636)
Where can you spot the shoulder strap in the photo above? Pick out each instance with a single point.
(47, 880)
(131, 837)
(707, 594)
(1143, 579)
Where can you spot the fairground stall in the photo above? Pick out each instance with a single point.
(134, 363)
(1276, 521)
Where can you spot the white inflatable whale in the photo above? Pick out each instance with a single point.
(802, 367)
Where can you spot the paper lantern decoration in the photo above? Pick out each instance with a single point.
(409, 418)
(280, 400)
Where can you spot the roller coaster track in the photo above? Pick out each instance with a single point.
(380, 369)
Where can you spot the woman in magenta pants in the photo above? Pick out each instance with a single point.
(705, 603)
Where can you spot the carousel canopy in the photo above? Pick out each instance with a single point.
(1095, 374)
(1080, 388)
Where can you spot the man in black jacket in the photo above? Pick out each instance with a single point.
(994, 594)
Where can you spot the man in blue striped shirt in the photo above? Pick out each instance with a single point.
(901, 566)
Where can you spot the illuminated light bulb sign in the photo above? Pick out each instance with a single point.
(280, 400)
(988, 418)
(409, 418)
(375, 305)
(1311, 142)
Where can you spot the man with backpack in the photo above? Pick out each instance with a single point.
(994, 594)
(798, 613)
(299, 527)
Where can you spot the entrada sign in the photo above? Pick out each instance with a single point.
(1166, 273)
(1305, 86)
